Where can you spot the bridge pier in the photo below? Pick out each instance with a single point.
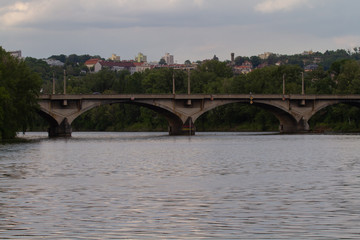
(62, 130)
(294, 127)
(186, 129)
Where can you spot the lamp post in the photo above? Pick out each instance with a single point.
(188, 80)
(302, 88)
(173, 82)
(53, 84)
(64, 82)
(302, 84)
(284, 83)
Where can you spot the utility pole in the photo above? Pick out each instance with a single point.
(189, 100)
(302, 88)
(64, 82)
(188, 80)
(302, 84)
(284, 83)
(53, 84)
(173, 81)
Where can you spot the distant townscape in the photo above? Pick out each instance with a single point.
(308, 60)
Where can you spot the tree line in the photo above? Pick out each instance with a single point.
(21, 81)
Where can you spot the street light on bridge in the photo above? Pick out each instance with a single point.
(188, 70)
(284, 83)
(64, 81)
(302, 84)
(53, 83)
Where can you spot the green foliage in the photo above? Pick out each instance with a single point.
(210, 76)
(19, 88)
(162, 62)
(239, 60)
(158, 81)
(255, 60)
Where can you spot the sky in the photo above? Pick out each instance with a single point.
(188, 29)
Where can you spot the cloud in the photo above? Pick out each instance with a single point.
(12, 14)
(270, 6)
(124, 13)
(118, 14)
(189, 29)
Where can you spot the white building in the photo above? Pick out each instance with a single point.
(16, 54)
(141, 67)
(54, 62)
(132, 67)
(91, 63)
(169, 59)
(265, 55)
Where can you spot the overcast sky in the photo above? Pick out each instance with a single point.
(187, 29)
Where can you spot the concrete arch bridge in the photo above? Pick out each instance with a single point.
(182, 110)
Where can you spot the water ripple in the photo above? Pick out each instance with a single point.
(152, 186)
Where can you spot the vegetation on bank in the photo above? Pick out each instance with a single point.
(19, 88)
(338, 72)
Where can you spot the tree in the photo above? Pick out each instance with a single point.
(162, 62)
(19, 88)
(220, 69)
(348, 77)
(255, 60)
(239, 60)
(158, 81)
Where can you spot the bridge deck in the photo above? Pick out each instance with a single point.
(196, 96)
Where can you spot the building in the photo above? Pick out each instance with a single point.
(114, 57)
(16, 54)
(54, 62)
(306, 53)
(140, 58)
(141, 66)
(245, 68)
(317, 60)
(311, 67)
(169, 59)
(130, 66)
(91, 63)
(265, 55)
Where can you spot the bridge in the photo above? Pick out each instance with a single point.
(182, 110)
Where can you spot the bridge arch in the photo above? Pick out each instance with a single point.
(287, 121)
(175, 122)
(60, 120)
(322, 107)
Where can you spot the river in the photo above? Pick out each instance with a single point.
(155, 186)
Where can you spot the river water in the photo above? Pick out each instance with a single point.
(155, 186)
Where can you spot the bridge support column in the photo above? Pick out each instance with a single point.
(62, 130)
(188, 128)
(294, 127)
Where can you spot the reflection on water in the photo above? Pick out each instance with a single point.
(150, 185)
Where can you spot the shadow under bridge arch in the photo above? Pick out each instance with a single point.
(340, 114)
(289, 122)
(176, 121)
